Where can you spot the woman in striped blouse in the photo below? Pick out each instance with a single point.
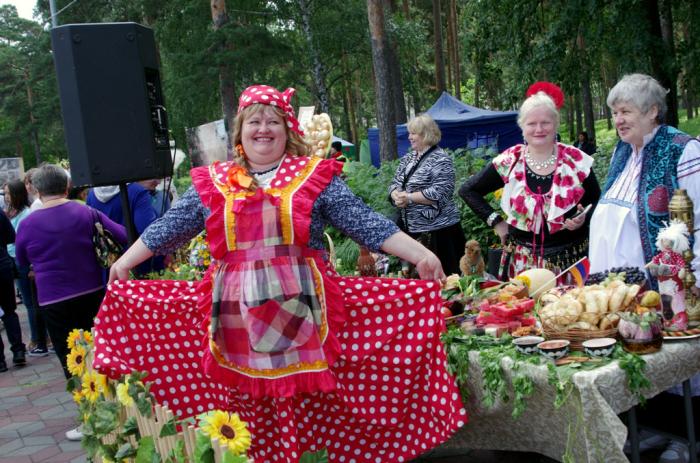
(423, 192)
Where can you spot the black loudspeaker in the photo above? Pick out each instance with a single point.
(114, 117)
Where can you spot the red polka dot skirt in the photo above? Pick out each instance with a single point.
(394, 398)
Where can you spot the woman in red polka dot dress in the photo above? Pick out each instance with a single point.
(309, 359)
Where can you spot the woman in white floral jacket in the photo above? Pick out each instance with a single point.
(545, 184)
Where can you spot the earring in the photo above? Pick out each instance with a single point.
(241, 151)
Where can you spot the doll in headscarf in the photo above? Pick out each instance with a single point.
(668, 266)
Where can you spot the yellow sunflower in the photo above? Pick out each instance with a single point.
(73, 338)
(78, 396)
(102, 383)
(123, 395)
(76, 361)
(87, 336)
(229, 429)
(92, 386)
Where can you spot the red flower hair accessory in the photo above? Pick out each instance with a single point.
(552, 90)
(264, 94)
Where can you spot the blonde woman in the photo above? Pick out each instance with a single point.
(423, 192)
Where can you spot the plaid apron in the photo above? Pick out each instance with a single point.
(268, 331)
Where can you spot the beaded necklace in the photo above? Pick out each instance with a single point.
(541, 165)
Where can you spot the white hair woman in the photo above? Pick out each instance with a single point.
(423, 191)
(650, 161)
(545, 186)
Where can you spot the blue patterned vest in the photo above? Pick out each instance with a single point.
(657, 180)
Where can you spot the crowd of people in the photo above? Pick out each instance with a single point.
(272, 322)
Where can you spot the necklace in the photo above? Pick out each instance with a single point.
(541, 165)
(263, 172)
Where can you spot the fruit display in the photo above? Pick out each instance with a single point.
(537, 280)
(503, 313)
(319, 134)
(589, 308)
(629, 275)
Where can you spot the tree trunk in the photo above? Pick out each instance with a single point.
(690, 97)
(395, 81)
(579, 113)
(405, 8)
(570, 118)
(317, 70)
(386, 117)
(439, 60)
(454, 55)
(32, 119)
(349, 103)
(663, 62)
(586, 88)
(227, 86)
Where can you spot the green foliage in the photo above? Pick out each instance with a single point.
(317, 457)
(372, 184)
(146, 452)
(346, 254)
(203, 451)
(493, 351)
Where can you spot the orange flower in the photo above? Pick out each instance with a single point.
(238, 176)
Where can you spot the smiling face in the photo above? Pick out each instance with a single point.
(417, 141)
(539, 128)
(631, 124)
(264, 137)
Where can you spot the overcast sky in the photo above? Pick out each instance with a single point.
(24, 7)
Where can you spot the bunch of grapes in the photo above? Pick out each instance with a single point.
(629, 275)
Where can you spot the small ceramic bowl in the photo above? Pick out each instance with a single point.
(554, 349)
(599, 347)
(527, 344)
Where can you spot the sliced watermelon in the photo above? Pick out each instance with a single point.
(507, 312)
(527, 304)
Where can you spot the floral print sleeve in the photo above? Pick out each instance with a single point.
(337, 205)
(178, 226)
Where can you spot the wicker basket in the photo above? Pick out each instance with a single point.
(577, 336)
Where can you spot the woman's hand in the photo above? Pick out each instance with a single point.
(404, 247)
(137, 253)
(400, 198)
(119, 271)
(501, 229)
(430, 268)
(576, 221)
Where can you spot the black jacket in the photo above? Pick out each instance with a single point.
(7, 236)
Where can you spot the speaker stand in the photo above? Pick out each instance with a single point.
(126, 213)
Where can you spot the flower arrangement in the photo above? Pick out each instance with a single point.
(200, 257)
(121, 421)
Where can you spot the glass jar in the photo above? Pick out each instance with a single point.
(641, 333)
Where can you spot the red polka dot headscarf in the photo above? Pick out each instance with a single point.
(264, 94)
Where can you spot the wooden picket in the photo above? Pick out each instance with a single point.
(152, 427)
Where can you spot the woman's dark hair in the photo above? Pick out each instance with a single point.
(19, 199)
(337, 145)
(585, 135)
(50, 179)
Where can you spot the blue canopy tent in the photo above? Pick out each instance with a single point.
(461, 125)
